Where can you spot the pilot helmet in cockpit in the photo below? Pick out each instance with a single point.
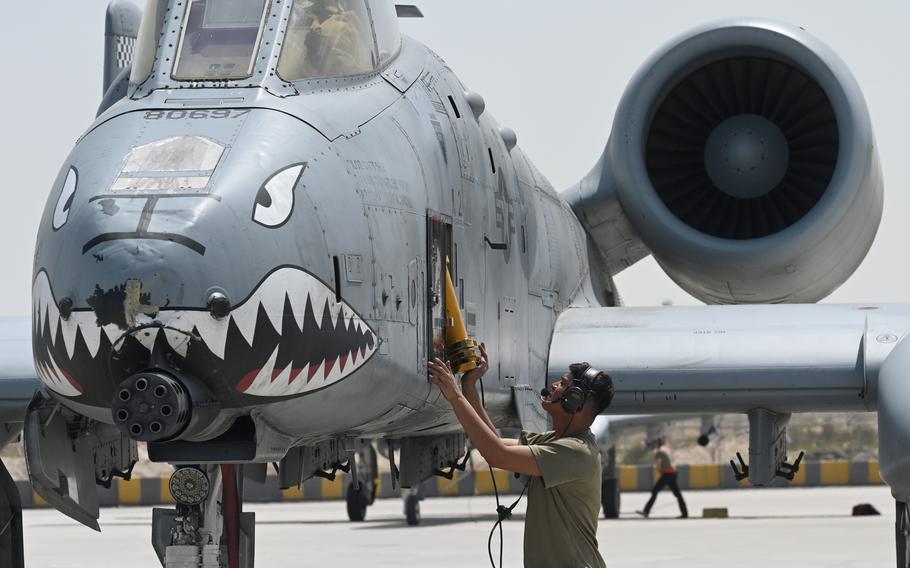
(327, 38)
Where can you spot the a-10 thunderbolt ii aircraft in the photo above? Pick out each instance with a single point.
(242, 261)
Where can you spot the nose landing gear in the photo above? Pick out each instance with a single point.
(361, 492)
(412, 507)
(208, 528)
(902, 534)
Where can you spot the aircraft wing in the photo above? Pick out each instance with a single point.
(716, 359)
(18, 379)
(607, 428)
(764, 361)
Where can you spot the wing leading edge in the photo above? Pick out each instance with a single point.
(717, 359)
(763, 361)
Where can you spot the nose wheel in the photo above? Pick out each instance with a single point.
(412, 508)
(902, 534)
(361, 492)
(357, 502)
(208, 526)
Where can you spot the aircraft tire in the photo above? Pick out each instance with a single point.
(357, 502)
(412, 510)
(609, 498)
(902, 536)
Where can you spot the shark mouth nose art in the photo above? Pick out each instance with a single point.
(291, 336)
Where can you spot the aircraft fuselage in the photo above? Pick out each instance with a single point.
(280, 253)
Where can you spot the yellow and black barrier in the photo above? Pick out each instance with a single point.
(155, 491)
(718, 476)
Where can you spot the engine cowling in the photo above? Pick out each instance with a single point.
(743, 157)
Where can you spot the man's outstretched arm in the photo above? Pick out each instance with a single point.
(497, 452)
(469, 390)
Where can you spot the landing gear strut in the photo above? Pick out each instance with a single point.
(361, 492)
(412, 507)
(208, 527)
(357, 502)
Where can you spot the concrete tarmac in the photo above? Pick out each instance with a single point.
(770, 527)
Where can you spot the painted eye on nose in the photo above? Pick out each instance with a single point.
(275, 200)
(65, 201)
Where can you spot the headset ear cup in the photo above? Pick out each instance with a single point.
(574, 400)
(591, 374)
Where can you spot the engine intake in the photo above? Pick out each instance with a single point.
(743, 148)
(742, 156)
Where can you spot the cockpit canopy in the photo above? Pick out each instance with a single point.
(221, 39)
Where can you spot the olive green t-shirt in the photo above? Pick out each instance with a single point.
(564, 503)
(663, 458)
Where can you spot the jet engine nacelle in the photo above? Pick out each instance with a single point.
(742, 156)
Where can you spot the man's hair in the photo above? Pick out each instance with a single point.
(600, 387)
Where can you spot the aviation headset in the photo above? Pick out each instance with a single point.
(575, 397)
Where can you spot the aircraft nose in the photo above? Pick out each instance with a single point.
(147, 217)
(130, 277)
(203, 250)
(159, 191)
(165, 228)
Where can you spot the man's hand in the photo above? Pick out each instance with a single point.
(475, 375)
(497, 452)
(441, 376)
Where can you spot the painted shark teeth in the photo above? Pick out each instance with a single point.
(300, 288)
(54, 378)
(290, 304)
(291, 293)
(147, 337)
(46, 311)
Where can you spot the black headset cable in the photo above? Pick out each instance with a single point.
(483, 402)
(505, 513)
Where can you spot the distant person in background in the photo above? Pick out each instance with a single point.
(668, 478)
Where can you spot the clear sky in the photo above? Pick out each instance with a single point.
(553, 71)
